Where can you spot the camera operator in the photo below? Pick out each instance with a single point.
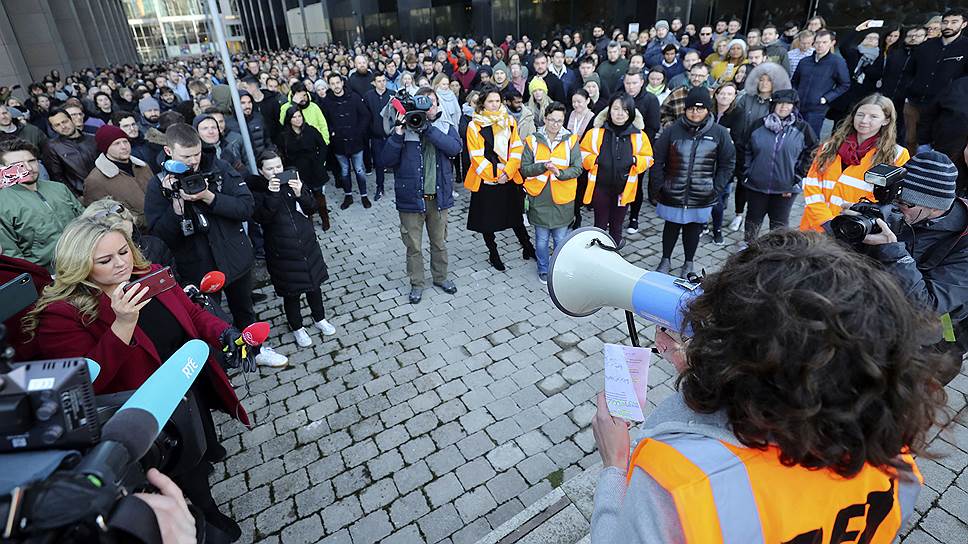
(929, 253)
(424, 178)
(204, 229)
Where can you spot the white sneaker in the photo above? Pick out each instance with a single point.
(325, 327)
(526, 222)
(736, 223)
(302, 338)
(269, 357)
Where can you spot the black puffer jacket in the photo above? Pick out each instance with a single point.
(293, 257)
(348, 121)
(692, 165)
(225, 246)
(258, 133)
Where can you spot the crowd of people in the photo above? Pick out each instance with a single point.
(111, 174)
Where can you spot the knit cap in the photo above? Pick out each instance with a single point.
(538, 83)
(662, 23)
(594, 77)
(930, 181)
(146, 103)
(106, 135)
(698, 96)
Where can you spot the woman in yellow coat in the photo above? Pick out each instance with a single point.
(497, 199)
(615, 151)
(867, 137)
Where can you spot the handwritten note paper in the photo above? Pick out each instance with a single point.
(626, 380)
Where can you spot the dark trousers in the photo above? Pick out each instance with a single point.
(761, 205)
(376, 147)
(239, 295)
(580, 192)
(740, 198)
(257, 239)
(520, 232)
(293, 313)
(815, 119)
(690, 238)
(609, 216)
(719, 208)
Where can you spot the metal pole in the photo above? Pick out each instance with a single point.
(233, 85)
(275, 25)
(302, 14)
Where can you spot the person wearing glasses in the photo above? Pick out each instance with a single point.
(928, 254)
(33, 212)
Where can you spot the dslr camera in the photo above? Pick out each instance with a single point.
(852, 229)
(413, 109)
(194, 220)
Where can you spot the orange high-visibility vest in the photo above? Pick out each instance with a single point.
(562, 190)
(825, 193)
(726, 494)
(481, 169)
(591, 146)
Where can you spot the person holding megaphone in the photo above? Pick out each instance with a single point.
(804, 393)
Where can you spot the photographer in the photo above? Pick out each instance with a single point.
(424, 183)
(204, 229)
(782, 427)
(929, 253)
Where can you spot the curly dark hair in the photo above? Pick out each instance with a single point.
(811, 347)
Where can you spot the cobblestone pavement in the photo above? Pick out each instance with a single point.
(438, 422)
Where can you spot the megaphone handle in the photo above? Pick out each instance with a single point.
(633, 333)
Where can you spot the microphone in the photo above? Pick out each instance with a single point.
(213, 282)
(254, 335)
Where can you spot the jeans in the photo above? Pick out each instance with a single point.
(609, 216)
(293, 313)
(344, 170)
(541, 235)
(411, 231)
(376, 145)
(760, 205)
(815, 119)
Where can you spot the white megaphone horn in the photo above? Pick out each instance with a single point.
(587, 274)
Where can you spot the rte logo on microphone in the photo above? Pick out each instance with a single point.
(190, 368)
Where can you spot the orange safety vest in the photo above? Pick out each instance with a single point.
(591, 146)
(562, 190)
(825, 193)
(481, 169)
(726, 494)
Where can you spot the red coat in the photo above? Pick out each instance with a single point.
(124, 367)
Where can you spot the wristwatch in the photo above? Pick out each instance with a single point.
(823, 100)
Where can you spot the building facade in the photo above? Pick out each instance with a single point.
(165, 29)
(271, 22)
(37, 36)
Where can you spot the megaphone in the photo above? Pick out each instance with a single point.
(587, 274)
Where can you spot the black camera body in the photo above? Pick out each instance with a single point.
(852, 229)
(414, 108)
(194, 221)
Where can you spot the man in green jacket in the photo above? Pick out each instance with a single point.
(299, 97)
(34, 212)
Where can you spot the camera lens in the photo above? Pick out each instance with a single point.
(852, 228)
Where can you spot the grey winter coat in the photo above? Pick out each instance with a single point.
(776, 163)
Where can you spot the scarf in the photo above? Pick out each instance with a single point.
(500, 123)
(656, 89)
(776, 125)
(869, 57)
(852, 153)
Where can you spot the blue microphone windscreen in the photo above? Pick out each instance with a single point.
(93, 369)
(135, 428)
(164, 389)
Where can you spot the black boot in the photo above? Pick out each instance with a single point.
(527, 248)
(495, 260)
(347, 201)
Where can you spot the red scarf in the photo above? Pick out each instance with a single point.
(851, 153)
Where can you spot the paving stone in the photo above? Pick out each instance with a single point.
(385, 464)
(351, 481)
(378, 495)
(444, 460)
(472, 533)
(536, 467)
(504, 512)
(303, 531)
(412, 477)
(443, 490)
(417, 449)
(341, 514)
(373, 528)
(408, 508)
(315, 498)
(533, 442)
(475, 473)
(506, 485)
(475, 503)
(251, 503)
(505, 456)
(440, 523)
(552, 385)
(360, 453)
(422, 423)
(392, 437)
(944, 527)
(275, 517)
(407, 535)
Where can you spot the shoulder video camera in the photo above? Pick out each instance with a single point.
(192, 184)
(413, 109)
(852, 229)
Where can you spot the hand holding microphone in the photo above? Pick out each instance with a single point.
(241, 348)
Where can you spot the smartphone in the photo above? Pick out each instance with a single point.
(286, 176)
(157, 282)
(876, 23)
(17, 294)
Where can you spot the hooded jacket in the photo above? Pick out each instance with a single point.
(258, 133)
(751, 104)
(777, 163)
(312, 114)
(692, 165)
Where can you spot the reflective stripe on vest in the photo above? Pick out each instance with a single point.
(726, 494)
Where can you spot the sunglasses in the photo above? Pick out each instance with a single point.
(117, 209)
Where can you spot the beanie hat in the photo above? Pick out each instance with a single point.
(537, 83)
(201, 117)
(661, 24)
(698, 96)
(788, 96)
(107, 135)
(148, 103)
(930, 181)
(594, 77)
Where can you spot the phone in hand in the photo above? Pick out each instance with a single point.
(17, 294)
(157, 282)
(876, 23)
(286, 176)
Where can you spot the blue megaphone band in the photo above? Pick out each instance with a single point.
(658, 298)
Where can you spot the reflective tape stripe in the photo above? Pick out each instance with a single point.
(814, 199)
(837, 201)
(736, 508)
(477, 152)
(829, 184)
(483, 166)
(811, 182)
(855, 183)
